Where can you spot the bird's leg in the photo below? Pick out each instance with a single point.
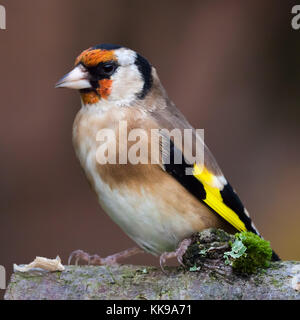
(97, 260)
(180, 251)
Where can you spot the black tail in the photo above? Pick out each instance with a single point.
(275, 257)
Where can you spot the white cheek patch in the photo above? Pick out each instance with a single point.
(127, 83)
(125, 56)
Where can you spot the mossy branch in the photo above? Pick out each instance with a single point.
(206, 277)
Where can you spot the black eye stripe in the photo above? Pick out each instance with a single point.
(103, 70)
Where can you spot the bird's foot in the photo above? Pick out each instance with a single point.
(180, 251)
(95, 259)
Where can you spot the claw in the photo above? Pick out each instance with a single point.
(179, 253)
(71, 257)
(97, 260)
(182, 250)
(179, 259)
(162, 261)
(78, 255)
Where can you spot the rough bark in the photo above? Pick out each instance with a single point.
(136, 282)
(205, 277)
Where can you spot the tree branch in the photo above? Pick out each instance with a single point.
(206, 277)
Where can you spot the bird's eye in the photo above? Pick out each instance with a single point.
(108, 68)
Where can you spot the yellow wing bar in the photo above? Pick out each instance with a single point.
(214, 198)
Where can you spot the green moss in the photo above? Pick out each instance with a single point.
(248, 253)
(31, 277)
(194, 268)
(276, 283)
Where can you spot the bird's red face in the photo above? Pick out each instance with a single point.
(92, 59)
(107, 72)
(93, 68)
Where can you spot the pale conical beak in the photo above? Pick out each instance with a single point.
(78, 78)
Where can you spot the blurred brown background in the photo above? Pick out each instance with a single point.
(232, 67)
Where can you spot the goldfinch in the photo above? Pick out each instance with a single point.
(158, 204)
